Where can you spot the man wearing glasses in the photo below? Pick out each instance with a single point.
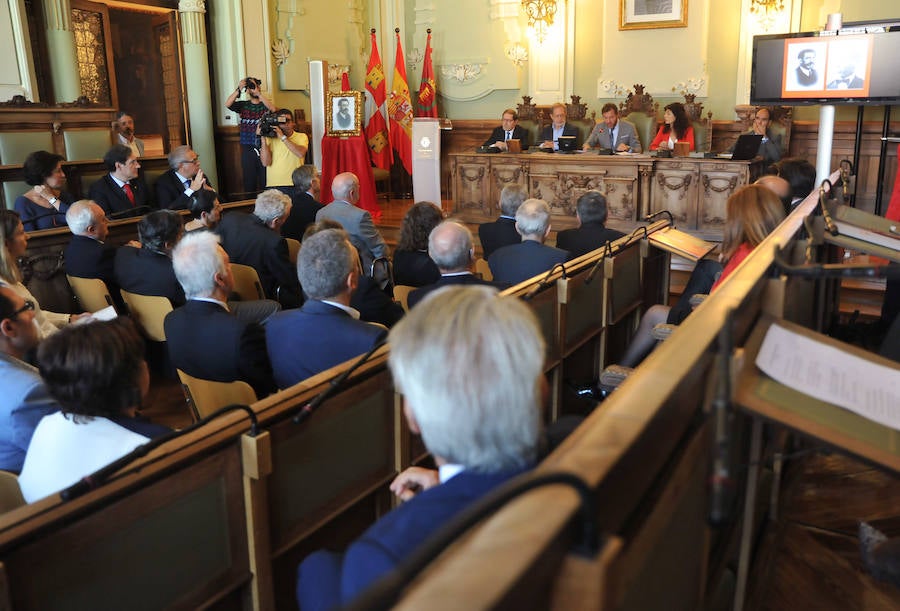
(770, 147)
(509, 130)
(176, 186)
(121, 193)
(24, 400)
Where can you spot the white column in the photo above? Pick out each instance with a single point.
(196, 78)
(61, 50)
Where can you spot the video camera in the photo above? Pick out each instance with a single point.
(268, 122)
(252, 83)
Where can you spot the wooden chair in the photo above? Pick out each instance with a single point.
(247, 286)
(205, 396)
(401, 294)
(482, 267)
(293, 249)
(10, 493)
(92, 293)
(149, 311)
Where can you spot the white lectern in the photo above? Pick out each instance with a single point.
(426, 175)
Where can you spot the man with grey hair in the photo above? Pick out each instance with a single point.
(305, 202)
(87, 254)
(356, 221)
(519, 262)
(502, 232)
(255, 240)
(204, 337)
(175, 187)
(592, 233)
(450, 247)
(326, 331)
(479, 419)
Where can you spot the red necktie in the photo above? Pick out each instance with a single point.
(129, 192)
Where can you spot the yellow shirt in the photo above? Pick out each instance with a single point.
(284, 162)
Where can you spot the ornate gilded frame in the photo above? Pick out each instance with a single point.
(333, 125)
(652, 14)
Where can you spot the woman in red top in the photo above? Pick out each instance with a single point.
(676, 128)
(752, 212)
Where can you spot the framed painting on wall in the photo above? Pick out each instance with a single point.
(652, 14)
(343, 115)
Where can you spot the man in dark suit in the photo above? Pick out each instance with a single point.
(326, 331)
(450, 247)
(88, 255)
(508, 130)
(148, 270)
(502, 232)
(205, 338)
(846, 78)
(176, 186)
(592, 233)
(558, 127)
(255, 240)
(479, 418)
(519, 262)
(305, 202)
(121, 193)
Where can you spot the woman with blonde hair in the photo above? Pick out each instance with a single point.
(752, 212)
(13, 243)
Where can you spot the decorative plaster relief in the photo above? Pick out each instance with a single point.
(335, 71)
(608, 88)
(462, 73)
(280, 51)
(516, 53)
(693, 85)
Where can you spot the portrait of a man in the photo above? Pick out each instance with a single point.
(343, 116)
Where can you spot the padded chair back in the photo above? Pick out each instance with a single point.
(15, 146)
(149, 312)
(482, 267)
(92, 293)
(205, 396)
(534, 131)
(86, 143)
(293, 249)
(702, 135)
(13, 189)
(401, 294)
(645, 126)
(10, 493)
(247, 286)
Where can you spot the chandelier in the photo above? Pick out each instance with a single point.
(540, 15)
(766, 11)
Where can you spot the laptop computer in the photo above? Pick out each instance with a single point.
(746, 147)
(566, 144)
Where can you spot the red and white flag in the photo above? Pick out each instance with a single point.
(376, 126)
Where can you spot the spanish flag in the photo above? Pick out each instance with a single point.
(376, 127)
(426, 104)
(400, 112)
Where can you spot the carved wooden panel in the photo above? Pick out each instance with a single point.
(717, 182)
(505, 170)
(674, 188)
(471, 190)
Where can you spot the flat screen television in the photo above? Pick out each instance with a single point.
(824, 68)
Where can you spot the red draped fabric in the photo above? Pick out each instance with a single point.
(349, 154)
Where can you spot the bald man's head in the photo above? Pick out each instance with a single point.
(346, 187)
(450, 247)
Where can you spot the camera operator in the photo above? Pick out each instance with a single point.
(282, 150)
(250, 112)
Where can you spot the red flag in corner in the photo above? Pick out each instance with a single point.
(376, 126)
(426, 104)
(400, 112)
(345, 81)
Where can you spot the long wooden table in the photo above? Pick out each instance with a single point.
(693, 189)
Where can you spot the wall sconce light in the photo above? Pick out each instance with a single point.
(766, 11)
(540, 15)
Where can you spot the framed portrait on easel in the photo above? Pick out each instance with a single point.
(343, 116)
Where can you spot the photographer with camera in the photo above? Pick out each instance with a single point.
(250, 111)
(282, 149)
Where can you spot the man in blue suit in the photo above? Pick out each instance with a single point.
(530, 257)
(326, 331)
(480, 419)
(558, 127)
